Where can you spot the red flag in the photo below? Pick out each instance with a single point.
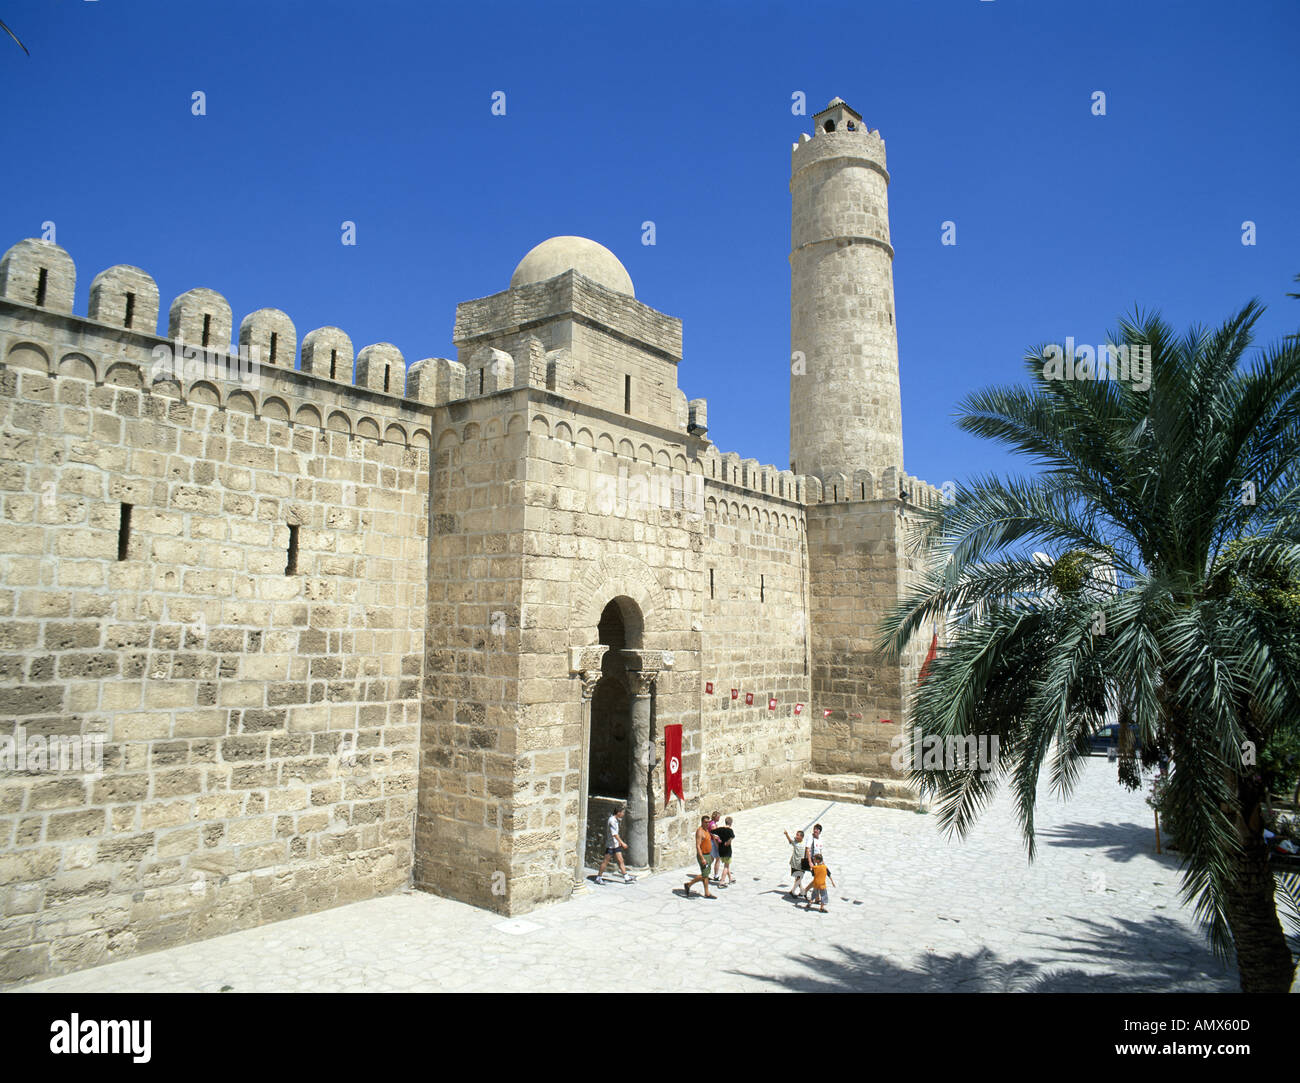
(735, 692)
(749, 699)
(886, 721)
(771, 703)
(708, 687)
(826, 712)
(672, 763)
(798, 708)
(934, 649)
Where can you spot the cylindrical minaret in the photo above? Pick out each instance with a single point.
(845, 411)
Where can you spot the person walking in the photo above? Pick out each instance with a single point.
(703, 855)
(798, 862)
(615, 847)
(725, 835)
(819, 893)
(812, 853)
(713, 828)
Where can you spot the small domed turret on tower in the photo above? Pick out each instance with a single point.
(570, 322)
(845, 409)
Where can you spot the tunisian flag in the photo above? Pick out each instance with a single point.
(673, 763)
(934, 649)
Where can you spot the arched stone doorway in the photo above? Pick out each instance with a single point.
(619, 747)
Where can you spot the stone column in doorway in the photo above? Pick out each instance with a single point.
(586, 663)
(643, 668)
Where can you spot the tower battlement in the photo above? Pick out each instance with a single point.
(838, 129)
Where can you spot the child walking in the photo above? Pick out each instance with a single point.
(820, 875)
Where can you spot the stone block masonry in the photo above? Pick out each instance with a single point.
(260, 727)
(340, 623)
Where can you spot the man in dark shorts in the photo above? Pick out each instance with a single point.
(615, 847)
(703, 849)
(724, 836)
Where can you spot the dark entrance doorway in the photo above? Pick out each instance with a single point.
(611, 748)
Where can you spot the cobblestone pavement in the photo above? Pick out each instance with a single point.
(1097, 910)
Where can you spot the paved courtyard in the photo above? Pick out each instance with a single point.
(912, 912)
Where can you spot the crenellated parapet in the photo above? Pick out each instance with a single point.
(40, 274)
(270, 337)
(697, 417)
(892, 484)
(125, 297)
(200, 317)
(381, 367)
(730, 469)
(327, 352)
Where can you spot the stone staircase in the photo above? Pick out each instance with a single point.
(860, 790)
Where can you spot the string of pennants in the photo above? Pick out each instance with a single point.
(828, 711)
(772, 703)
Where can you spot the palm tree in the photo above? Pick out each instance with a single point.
(1142, 607)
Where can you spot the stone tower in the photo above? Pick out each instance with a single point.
(845, 414)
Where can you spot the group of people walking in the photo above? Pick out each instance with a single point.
(713, 841)
(713, 847)
(806, 857)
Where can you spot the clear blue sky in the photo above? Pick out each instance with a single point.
(679, 113)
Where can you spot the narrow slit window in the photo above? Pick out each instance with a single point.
(386, 367)
(123, 531)
(291, 567)
(207, 328)
(710, 582)
(129, 318)
(762, 588)
(627, 394)
(274, 343)
(482, 374)
(40, 288)
(334, 358)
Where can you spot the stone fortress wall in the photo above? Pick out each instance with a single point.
(342, 636)
(260, 728)
(553, 496)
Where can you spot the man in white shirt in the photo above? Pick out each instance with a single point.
(814, 848)
(614, 847)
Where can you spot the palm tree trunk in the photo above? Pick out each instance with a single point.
(1264, 961)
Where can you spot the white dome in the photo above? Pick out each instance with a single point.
(560, 254)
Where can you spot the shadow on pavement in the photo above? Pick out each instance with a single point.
(1156, 955)
(1118, 842)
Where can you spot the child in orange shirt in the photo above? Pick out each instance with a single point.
(818, 892)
